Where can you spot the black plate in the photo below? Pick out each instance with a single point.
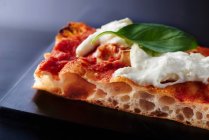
(22, 99)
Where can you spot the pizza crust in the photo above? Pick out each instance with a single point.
(122, 94)
(77, 83)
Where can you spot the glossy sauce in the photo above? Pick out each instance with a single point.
(104, 61)
(65, 50)
(192, 91)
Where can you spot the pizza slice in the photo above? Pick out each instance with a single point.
(109, 68)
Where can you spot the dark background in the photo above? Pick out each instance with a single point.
(27, 27)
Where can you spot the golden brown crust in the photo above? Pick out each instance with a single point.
(74, 30)
(125, 95)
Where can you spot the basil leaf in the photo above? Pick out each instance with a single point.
(150, 52)
(159, 38)
(156, 38)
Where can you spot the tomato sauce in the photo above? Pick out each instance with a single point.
(203, 50)
(52, 65)
(65, 50)
(104, 61)
(192, 91)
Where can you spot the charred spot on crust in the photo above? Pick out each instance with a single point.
(76, 30)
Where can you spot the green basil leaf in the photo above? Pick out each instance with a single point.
(156, 38)
(151, 52)
(159, 38)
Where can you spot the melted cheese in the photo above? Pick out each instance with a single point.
(167, 69)
(86, 46)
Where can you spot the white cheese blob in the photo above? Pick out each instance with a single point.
(86, 46)
(160, 71)
(168, 69)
